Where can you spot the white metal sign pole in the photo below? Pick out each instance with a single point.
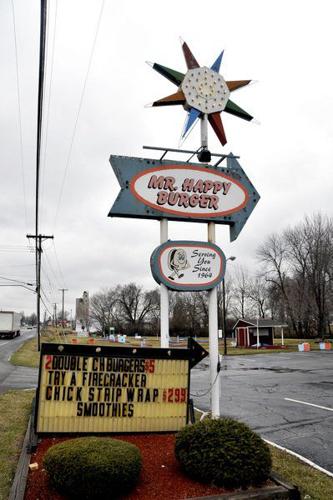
(204, 131)
(212, 311)
(213, 339)
(164, 294)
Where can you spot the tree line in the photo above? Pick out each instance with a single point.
(292, 283)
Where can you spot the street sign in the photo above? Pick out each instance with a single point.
(154, 189)
(88, 389)
(188, 265)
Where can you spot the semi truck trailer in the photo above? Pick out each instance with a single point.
(10, 324)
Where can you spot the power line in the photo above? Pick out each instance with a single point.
(45, 296)
(17, 250)
(58, 264)
(51, 288)
(78, 113)
(56, 279)
(16, 265)
(45, 272)
(17, 281)
(20, 117)
(48, 310)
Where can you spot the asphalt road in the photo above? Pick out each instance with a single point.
(15, 377)
(274, 394)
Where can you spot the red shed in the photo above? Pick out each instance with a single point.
(246, 331)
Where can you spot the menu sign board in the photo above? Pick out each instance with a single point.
(89, 389)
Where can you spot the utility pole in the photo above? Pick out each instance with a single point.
(55, 314)
(63, 290)
(39, 239)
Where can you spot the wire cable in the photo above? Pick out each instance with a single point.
(58, 264)
(19, 118)
(46, 297)
(48, 310)
(78, 113)
(202, 394)
(17, 281)
(51, 269)
(51, 288)
(16, 249)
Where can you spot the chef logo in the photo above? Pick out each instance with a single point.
(177, 262)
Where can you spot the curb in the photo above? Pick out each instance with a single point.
(281, 491)
(300, 457)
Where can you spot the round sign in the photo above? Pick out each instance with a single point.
(188, 265)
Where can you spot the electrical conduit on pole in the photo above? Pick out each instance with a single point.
(164, 294)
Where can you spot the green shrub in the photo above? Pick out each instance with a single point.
(92, 467)
(223, 452)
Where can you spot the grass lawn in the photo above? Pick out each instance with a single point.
(27, 354)
(313, 484)
(291, 345)
(12, 430)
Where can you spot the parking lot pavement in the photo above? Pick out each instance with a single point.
(287, 398)
(15, 377)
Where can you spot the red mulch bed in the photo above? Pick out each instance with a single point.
(160, 478)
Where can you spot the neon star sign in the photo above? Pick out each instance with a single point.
(202, 91)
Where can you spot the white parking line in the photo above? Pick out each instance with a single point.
(309, 404)
(4, 343)
(300, 457)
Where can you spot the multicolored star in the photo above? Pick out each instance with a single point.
(202, 91)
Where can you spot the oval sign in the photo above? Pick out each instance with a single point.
(188, 265)
(189, 191)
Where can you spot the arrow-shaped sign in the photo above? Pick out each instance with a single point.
(191, 192)
(194, 352)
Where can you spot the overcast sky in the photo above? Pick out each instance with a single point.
(97, 84)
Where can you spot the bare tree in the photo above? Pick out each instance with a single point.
(135, 305)
(103, 308)
(273, 254)
(298, 264)
(258, 293)
(310, 246)
(189, 313)
(240, 304)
